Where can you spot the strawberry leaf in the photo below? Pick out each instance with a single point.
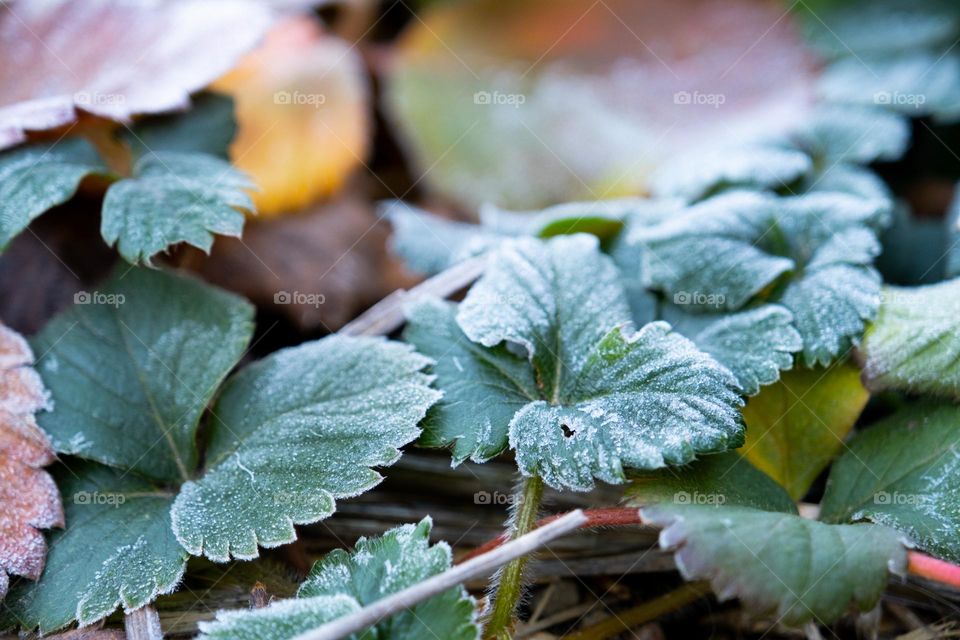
(38, 177)
(583, 399)
(344, 582)
(174, 197)
(812, 571)
(723, 479)
(295, 431)
(429, 244)
(730, 264)
(848, 134)
(812, 253)
(117, 550)
(143, 357)
(913, 344)
(903, 473)
(753, 166)
(485, 384)
(755, 345)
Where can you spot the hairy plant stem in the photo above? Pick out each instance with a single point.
(511, 579)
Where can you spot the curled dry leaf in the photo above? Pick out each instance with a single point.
(53, 68)
(497, 98)
(28, 496)
(302, 114)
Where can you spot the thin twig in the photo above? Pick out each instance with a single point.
(387, 316)
(481, 565)
(605, 517)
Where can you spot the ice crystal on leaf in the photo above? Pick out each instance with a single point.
(813, 254)
(564, 382)
(343, 582)
(288, 435)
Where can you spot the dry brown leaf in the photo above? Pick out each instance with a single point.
(542, 101)
(303, 115)
(319, 268)
(28, 495)
(114, 59)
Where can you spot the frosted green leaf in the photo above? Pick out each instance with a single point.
(540, 354)
(629, 258)
(851, 134)
(914, 84)
(295, 431)
(718, 479)
(904, 472)
(174, 197)
(813, 254)
(117, 550)
(755, 345)
(344, 582)
(780, 564)
(914, 344)
(482, 386)
(427, 243)
(874, 27)
(556, 300)
(601, 218)
(641, 401)
(208, 127)
(714, 256)
(849, 179)
(142, 357)
(749, 166)
(835, 295)
(38, 177)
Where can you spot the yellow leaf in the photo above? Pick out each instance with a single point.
(796, 426)
(302, 114)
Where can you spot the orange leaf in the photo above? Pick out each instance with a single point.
(302, 113)
(28, 496)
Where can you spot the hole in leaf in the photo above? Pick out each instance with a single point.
(567, 431)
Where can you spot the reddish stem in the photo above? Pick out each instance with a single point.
(612, 516)
(919, 564)
(924, 566)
